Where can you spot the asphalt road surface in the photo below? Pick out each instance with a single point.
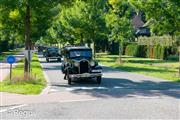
(121, 95)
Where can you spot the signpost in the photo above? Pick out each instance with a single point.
(11, 60)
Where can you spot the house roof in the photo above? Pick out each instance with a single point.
(137, 22)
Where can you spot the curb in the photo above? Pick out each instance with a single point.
(48, 87)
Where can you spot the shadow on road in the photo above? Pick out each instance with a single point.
(126, 88)
(115, 86)
(120, 87)
(55, 67)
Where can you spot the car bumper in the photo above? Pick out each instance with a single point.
(53, 57)
(85, 75)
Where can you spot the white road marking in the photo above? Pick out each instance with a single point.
(93, 88)
(86, 88)
(19, 106)
(117, 87)
(82, 100)
(53, 90)
(48, 87)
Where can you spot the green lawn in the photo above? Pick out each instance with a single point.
(151, 67)
(18, 85)
(3, 55)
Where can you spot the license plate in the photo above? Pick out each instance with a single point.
(96, 70)
(85, 75)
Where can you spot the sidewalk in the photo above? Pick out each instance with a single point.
(4, 66)
(8, 99)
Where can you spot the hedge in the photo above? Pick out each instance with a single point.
(157, 52)
(131, 50)
(135, 50)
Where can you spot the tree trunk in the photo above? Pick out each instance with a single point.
(27, 39)
(94, 51)
(81, 40)
(120, 54)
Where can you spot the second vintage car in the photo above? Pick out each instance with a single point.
(52, 53)
(79, 64)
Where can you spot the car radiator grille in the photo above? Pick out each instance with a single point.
(84, 67)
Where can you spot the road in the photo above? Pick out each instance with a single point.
(122, 95)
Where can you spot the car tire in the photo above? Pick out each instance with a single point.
(68, 78)
(47, 59)
(99, 79)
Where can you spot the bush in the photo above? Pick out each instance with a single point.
(114, 48)
(4, 46)
(131, 50)
(173, 57)
(157, 52)
(141, 51)
(135, 50)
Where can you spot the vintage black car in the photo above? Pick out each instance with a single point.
(52, 53)
(78, 63)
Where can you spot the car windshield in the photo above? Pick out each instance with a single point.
(53, 49)
(80, 53)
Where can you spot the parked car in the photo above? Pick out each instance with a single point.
(52, 53)
(78, 63)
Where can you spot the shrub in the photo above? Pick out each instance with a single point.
(131, 50)
(157, 52)
(141, 51)
(135, 50)
(173, 57)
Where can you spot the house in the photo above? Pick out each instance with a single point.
(140, 27)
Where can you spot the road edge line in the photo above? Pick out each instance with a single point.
(81, 100)
(48, 86)
(14, 107)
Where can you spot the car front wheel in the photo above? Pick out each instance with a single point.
(99, 79)
(68, 78)
(47, 59)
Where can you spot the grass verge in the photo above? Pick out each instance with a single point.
(21, 86)
(3, 55)
(151, 67)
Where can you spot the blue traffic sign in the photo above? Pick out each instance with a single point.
(11, 59)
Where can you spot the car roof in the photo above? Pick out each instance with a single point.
(77, 48)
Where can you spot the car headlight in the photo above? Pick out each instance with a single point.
(76, 64)
(92, 63)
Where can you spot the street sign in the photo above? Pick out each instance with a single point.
(11, 59)
(28, 54)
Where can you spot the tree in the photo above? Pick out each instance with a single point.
(81, 23)
(164, 13)
(34, 14)
(119, 22)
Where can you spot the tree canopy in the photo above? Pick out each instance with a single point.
(84, 21)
